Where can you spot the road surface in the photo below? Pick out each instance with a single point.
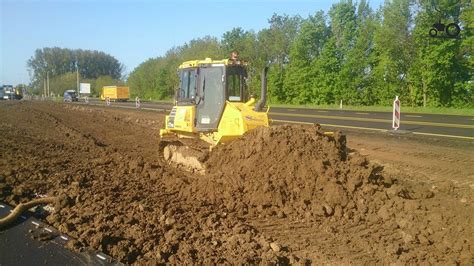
(450, 126)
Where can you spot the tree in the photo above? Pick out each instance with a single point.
(351, 53)
(393, 46)
(442, 75)
(306, 48)
(59, 61)
(357, 68)
(274, 46)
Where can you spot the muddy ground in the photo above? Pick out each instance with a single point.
(285, 194)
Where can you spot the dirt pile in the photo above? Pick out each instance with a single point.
(287, 170)
(297, 172)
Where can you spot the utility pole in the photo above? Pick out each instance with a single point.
(77, 78)
(47, 87)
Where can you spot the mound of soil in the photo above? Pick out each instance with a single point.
(294, 170)
(298, 172)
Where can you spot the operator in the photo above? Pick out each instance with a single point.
(234, 55)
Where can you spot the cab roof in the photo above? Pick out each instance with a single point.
(209, 61)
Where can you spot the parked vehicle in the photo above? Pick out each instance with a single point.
(70, 96)
(8, 92)
(115, 93)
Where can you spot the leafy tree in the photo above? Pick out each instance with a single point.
(59, 61)
(306, 48)
(351, 53)
(274, 46)
(393, 48)
(441, 72)
(327, 68)
(357, 68)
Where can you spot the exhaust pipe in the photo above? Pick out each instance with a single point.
(263, 95)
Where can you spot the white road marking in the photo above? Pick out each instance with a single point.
(362, 113)
(101, 257)
(65, 238)
(1, 206)
(291, 110)
(35, 223)
(413, 116)
(320, 111)
(374, 129)
(49, 230)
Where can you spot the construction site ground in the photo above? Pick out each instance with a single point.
(285, 194)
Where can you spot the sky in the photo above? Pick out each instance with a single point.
(131, 31)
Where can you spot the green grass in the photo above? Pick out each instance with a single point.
(406, 109)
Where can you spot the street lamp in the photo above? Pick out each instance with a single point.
(77, 76)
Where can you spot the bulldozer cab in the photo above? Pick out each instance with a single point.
(208, 87)
(212, 106)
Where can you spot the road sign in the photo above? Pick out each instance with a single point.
(85, 88)
(396, 113)
(137, 102)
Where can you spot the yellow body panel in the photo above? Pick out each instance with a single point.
(115, 93)
(184, 118)
(236, 119)
(207, 61)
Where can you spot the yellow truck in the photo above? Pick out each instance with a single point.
(115, 93)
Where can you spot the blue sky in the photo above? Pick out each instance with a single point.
(131, 31)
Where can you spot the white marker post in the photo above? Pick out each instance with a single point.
(107, 101)
(137, 102)
(396, 114)
(86, 99)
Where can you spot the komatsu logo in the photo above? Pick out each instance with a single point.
(251, 118)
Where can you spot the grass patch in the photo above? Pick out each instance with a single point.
(404, 109)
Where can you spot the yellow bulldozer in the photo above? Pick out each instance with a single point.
(212, 106)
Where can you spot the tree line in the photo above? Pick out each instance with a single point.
(60, 66)
(353, 53)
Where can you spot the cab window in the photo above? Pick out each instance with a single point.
(235, 84)
(187, 88)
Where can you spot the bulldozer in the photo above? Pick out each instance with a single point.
(211, 107)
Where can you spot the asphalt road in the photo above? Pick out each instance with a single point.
(20, 244)
(449, 126)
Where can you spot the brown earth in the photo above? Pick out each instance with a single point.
(285, 194)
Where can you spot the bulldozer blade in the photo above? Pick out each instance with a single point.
(186, 157)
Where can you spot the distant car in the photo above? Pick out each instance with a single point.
(8, 92)
(70, 96)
